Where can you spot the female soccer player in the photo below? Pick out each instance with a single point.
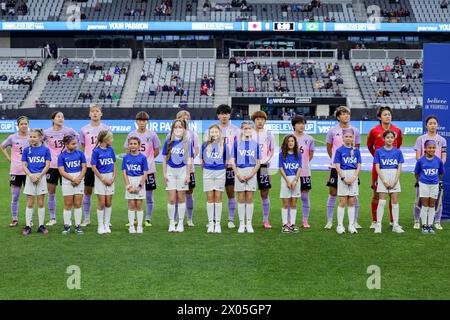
(374, 142)
(266, 142)
(290, 166)
(88, 139)
(429, 171)
(72, 168)
(17, 142)
(150, 146)
(348, 165)
(245, 162)
(135, 168)
(214, 161)
(334, 141)
(229, 133)
(53, 136)
(431, 124)
(305, 144)
(388, 163)
(103, 165)
(36, 162)
(178, 153)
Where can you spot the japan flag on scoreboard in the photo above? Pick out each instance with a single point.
(254, 26)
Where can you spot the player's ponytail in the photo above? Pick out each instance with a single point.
(102, 136)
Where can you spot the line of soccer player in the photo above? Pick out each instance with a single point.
(234, 160)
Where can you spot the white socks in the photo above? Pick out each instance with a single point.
(351, 215)
(293, 216)
(28, 216)
(181, 212)
(284, 216)
(424, 215)
(171, 213)
(41, 216)
(380, 210)
(395, 213)
(107, 216)
(249, 213)
(100, 218)
(218, 212)
(131, 218)
(140, 217)
(241, 213)
(340, 216)
(431, 214)
(210, 212)
(67, 214)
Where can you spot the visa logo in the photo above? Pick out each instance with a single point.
(389, 162)
(134, 167)
(105, 162)
(247, 153)
(324, 129)
(178, 151)
(291, 166)
(36, 159)
(213, 155)
(73, 164)
(349, 160)
(431, 172)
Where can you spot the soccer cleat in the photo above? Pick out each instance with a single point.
(306, 225)
(249, 228)
(425, 229)
(86, 223)
(329, 225)
(430, 229)
(26, 231)
(378, 228)
(172, 227)
(217, 228)
(131, 229)
(51, 222)
(241, 228)
(293, 229)
(148, 223)
(340, 229)
(101, 230)
(352, 229)
(190, 223)
(180, 228)
(79, 231)
(357, 225)
(139, 230)
(42, 229)
(397, 229)
(372, 226)
(210, 227)
(66, 230)
(438, 226)
(285, 229)
(267, 225)
(231, 225)
(416, 225)
(14, 223)
(107, 229)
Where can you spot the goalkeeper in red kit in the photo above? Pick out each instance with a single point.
(374, 142)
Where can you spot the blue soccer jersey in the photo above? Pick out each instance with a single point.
(346, 159)
(388, 159)
(103, 159)
(180, 152)
(134, 165)
(429, 170)
(291, 164)
(71, 161)
(36, 158)
(213, 158)
(246, 153)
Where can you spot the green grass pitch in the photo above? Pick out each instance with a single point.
(314, 264)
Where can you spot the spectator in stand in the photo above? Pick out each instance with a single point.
(3, 8)
(159, 59)
(98, 7)
(76, 70)
(444, 4)
(152, 89)
(22, 63)
(107, 77)
(65, 60)
(204, 89)
(69, 74)
(387, 68)
(357, 67)
(115, 96)
(116, 69)
(102, 95)
(404, 88)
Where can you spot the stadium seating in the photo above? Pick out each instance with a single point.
(430, 11)
(392, 12)
(43, 10)
(191, 72)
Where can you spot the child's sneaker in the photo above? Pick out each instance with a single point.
(340, 229)
(131, 229)
(101, 229)
(66, 230)
(78, 230)
(139, 230)
(210, 227)
(397, 229)
(294, 229)
(249, 228)
(378, 228)
(241, 228)
(26, 231)
(42, 229)
(430, 229)
(217, 228)
(357, 225)
(285, 229)
(373, 225)
(425, 229)
(352, 229)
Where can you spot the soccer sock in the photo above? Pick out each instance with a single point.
(293, 216)
(305, 206)
(52, 205)
(417, 208)
(107, 216)
(78, 213)
(249, 212)
(340, 216)
(351, 215)
(241, 212)
(189, 205)
(181, 212)
(87, 206)
(424, 215)
(356, 209)
(28, 216)
(140, 217)
(15, 196)
(266, 208)
(231, 208)
(218, 212)
(395, 213)
(374, 208)
(210, 211)
(131, 218)
(41, 216)
(284, 216)
(171, 212)
(380, 210)
(330, 207)
(438, 216)
(431, 214)
(100, 217)
(149, 200)
(67, 215)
